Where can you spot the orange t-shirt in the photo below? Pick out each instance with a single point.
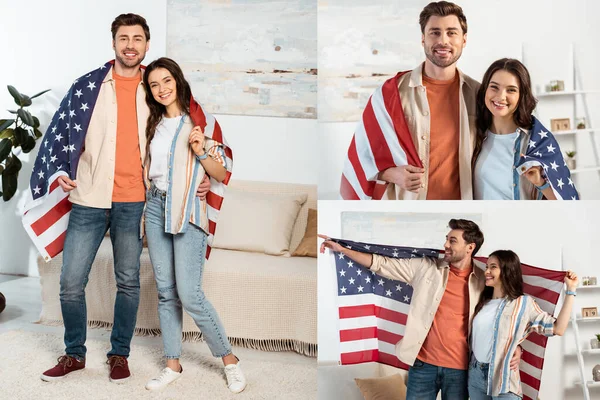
(128, 183)
(446, 344)
(443, 98)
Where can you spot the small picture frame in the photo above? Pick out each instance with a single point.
(589, 312)
(560, 124)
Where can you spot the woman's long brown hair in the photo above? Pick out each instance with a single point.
(511, 278)
(157, 110)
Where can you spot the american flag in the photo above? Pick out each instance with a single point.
(543, 151)
(373, 310)
(381, 141)
(46, 211)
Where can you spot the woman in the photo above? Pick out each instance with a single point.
(513, 315)
(510, 141)
(176, 221)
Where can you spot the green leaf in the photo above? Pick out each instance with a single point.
(36, 122)
(26, 117)
(15, 94)
(28, 145)
(5, 123)
(38, 133)
(12, 111)
(7, 133)
(39, 94)
(20, 136)
(1, 171)
(25, 100)
(9, 185)
(13, 165)
(5, 147)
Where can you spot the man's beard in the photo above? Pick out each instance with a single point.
(130, 63)
(442, 63)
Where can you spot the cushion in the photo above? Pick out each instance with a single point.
(257, 222)
(308, 245)
(386, 388)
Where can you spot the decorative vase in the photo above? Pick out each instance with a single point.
(594, 343)
(2, 302)
(596, 373)
(571, 163)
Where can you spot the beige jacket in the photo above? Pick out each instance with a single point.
(413, 95)
(96, 169)
(428, 277)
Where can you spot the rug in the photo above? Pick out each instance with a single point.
(25, 355)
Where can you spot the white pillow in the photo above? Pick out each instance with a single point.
(257, 222)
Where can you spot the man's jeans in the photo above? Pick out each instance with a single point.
(426, 380)
(87, 227)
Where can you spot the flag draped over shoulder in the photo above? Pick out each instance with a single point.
(46, 211)
(543, 151)
(373, 310)
(381, 141)
(214, 198)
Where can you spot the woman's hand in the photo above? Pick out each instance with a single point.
(197, 141)
(534, 175)
(571, 280)
(330, 244)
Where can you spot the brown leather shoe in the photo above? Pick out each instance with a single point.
(119, 370)
(66, 365)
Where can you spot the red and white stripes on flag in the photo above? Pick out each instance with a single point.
(214, 199)
(381, 141)
(46, 221)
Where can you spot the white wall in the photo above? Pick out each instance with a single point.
(46, 45)
(496, 30)
(537, 237)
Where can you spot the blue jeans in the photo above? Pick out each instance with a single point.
(478, 380)
(178, 262)
(426, 380)
(87, 227)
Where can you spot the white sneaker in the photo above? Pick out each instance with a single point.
(167, 376)
(236, 381)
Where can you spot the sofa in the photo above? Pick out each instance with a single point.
(266, 298)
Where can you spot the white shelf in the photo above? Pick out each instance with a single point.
(587, 287)
(589, 319)
(589, 383)
(574, 131)
(566, 93)
(586, 169)
(590, 351)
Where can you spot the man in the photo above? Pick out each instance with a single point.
(105, 156)
(437, 117)
(446, 291)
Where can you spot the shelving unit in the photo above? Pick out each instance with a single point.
(577, 97)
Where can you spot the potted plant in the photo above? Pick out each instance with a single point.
(20, 132)
(595, 342)
(571, 160)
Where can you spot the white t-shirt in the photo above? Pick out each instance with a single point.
(482, 334)
(160, 146)
(493, 176)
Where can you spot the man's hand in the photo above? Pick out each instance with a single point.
(66, 184)
(204, 188)
(407, 177)
(516, 359)
(329, 244)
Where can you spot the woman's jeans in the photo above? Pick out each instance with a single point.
(478, 381)
(178, 262)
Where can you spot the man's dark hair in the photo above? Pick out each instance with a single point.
(129, 20)
(442, 9)
(471, 232)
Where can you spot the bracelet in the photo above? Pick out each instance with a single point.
(202, 157)
(571, 292)
(544, 186)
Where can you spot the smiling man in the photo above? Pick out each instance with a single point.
(438, 107)
(99, 136)
(445, 292)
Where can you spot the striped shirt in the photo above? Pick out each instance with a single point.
(514, 320)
